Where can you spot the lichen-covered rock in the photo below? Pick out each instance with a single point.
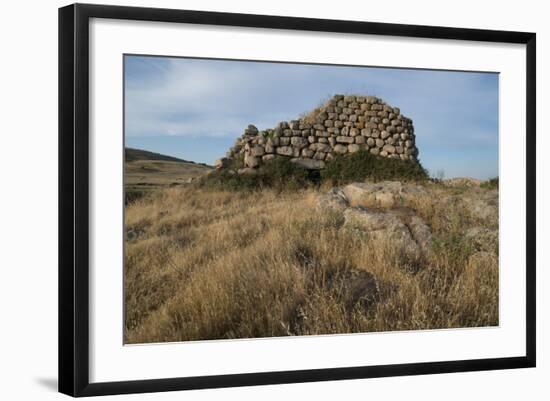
(340, 149)
(333, 200)
(385, 194)
(310, 164)
(257, 151)
(401, 228)
(285, 151)
(384, 227)
(299, 142)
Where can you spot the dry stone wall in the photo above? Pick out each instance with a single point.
(344, 124)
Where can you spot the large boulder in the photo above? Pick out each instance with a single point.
(401, 228)
(310, 164)
(333, 200)
(285, 150)
(384, 194)
(385, 228)
(257, 151)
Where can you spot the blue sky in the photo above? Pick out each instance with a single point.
(195, 108)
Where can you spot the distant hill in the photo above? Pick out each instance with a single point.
(146, 171)
(131, 155)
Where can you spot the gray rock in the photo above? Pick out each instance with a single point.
(257, 151)
(283, 125)
(340, 149)
(421, 233)
(298, 141)
(353, 148)
(381, 194)
(294, 124)
(319, 147)
(285, 151)
(284, 141)
(349, 99)
(319, 155)
(345, 139)
(384, 227)
(308, 153)
(334, 200)
(251, 161)
(309, 164)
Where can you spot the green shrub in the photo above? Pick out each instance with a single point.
(363, 165)
(279, 173)
(490, 184)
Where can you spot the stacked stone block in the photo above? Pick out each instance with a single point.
(344, 124)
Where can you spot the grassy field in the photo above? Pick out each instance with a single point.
(205, 263)
(156, 171)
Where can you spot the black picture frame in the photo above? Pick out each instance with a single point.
(74, 200)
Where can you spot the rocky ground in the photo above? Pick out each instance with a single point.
(386, 211)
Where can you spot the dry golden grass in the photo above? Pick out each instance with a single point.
(214, 265)
(152, 174)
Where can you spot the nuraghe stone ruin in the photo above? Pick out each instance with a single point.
(343, 124)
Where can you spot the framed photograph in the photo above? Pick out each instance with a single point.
(251, 199)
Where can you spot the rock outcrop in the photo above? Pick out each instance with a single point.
(344, 124)
(373, 208)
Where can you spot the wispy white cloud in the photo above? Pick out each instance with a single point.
(192, 98)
